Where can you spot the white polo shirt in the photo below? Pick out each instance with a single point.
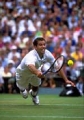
(33, 58)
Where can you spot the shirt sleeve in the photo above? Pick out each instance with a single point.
(30, 60)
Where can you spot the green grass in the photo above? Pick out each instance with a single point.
(52, 107)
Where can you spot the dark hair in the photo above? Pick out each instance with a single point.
(35, 41)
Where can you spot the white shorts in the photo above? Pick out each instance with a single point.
(22, 80)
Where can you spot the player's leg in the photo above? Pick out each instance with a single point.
(23, 90)
(22, 84)
(34, 94)
(35, 82)
(24, 93)
(34, 90)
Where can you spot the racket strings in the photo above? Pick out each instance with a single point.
(57, 64)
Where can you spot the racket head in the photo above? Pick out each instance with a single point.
(56, 66)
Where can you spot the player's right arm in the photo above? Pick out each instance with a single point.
(35, 71)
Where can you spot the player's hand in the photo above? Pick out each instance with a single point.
(69, 82)
(40, 74)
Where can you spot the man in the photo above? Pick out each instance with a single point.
(28, 70)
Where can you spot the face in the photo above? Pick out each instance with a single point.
(40, 48)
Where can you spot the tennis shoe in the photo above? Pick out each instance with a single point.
(35, 99)
(24, 94)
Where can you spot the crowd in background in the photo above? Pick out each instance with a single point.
(60, 22)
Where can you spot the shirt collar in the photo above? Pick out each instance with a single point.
(39, 56)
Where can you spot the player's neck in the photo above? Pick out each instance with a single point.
(40, 55)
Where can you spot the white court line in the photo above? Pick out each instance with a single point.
(78, 105)
(74, 105)
(66, 117)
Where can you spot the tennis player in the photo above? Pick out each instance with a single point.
(28, 71)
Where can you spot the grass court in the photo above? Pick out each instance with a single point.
(52, 107)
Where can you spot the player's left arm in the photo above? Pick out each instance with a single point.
(62, 74)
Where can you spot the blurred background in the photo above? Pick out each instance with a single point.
(60, 22)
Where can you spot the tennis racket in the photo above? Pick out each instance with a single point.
(56, 66)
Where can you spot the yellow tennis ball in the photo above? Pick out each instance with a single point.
(70, 62)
